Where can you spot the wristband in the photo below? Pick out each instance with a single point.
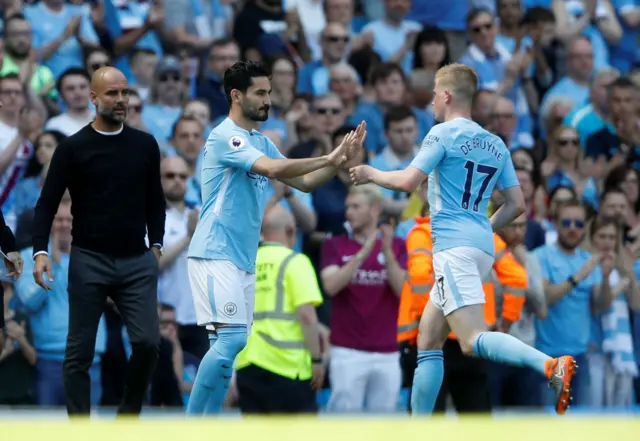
(316, 360)
(572, 281)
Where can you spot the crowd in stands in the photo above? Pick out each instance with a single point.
(559, 82)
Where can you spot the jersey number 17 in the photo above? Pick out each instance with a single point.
(472, 168)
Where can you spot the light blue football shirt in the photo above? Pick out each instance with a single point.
(464, 163)
(233, 197)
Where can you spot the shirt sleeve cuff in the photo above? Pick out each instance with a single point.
(38, 253)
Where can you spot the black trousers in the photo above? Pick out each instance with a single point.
(263, 392)
(466, 379)
(194, 339)
(132, 284)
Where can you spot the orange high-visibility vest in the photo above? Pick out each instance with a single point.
(507, 272)
(419, 280)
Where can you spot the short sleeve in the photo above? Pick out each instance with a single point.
(302, 283)
(329, 255)
(233, 152)
(508, 177)
(431, 152)
(273, 151)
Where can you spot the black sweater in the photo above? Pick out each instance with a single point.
(7, 239)
(115, 188)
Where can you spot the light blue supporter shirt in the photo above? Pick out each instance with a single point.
(233, 197)
(47, 25)
(567, 328)
(464, 163)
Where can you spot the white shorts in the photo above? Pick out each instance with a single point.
(459, 273)
(222, 293)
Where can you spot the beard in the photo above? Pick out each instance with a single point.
(111, 116)
(260, 114)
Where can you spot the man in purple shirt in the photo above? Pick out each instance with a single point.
(364, 271)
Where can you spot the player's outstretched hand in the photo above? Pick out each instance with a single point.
(361, 174)
(42, 265)
(339, 155)
(354, 151)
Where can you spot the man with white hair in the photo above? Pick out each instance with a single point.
(592, 117)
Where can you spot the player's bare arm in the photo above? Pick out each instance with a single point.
(353, 147)
(294, 168)
(406, 180)
(514, 205)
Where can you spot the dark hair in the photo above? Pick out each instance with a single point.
(616, 177)
(364, 61)
(608, 191)
(240, 77)
(165, 307)
(34, 168)
(536, 176)
(137, 51)
(397, 114)
(223, 42)
(384, 71)
(342, 131)
(94, 50)
(79, 71)
(475, 13)
(10, 76)
(621, 83)
(14, 17)
(537, 15)
(430, 34)
(572, 203)
(180, 120)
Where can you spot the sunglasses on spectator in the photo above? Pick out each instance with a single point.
(569, 141)
(328, 110)
(171, 175)
(172, 77)
(567, 223)
(96, 66)
(336, 39)
(482, 27)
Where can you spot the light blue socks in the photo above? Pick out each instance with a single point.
(427, 381)
(215, 371)
(504, 348)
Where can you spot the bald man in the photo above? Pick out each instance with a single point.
(112, 172)
(282, 365)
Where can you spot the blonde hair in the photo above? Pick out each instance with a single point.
(370, 191)
(460, 79)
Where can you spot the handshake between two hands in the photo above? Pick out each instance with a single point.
(348, 154)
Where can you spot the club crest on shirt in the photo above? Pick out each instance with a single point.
(381, 259)
(237, 142)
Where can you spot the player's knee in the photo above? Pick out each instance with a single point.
(231, 340)
(467, 344)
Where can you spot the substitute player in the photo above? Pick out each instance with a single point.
(464, 163)
(238, 163)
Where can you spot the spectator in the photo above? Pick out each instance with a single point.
(560, 195)
(60, 33)
(18, 357)
(431, 51)
(612, 364)
(401, 130)
(222, 54)
(534, 236)
(18, 59)
(626, 178)
(509, 385)
(49, 316)
(482, 108)
(173, 284)
(95, 59)
(143, 64)
(593, 116)
(166, 98)
(364, 274)
(73, 86)
(134, 111)
(575, 285)
(28, 189)
(313, 77)
(505, 121)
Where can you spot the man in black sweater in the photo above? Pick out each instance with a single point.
(112, 172)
